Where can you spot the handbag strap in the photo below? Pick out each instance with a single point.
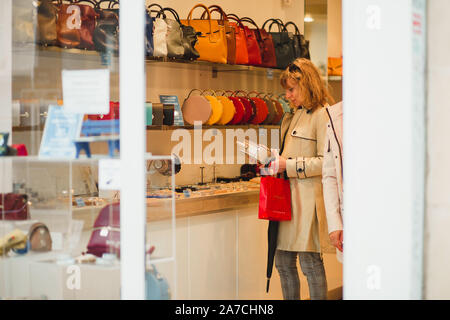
(193, 91)
(254, 92)
(290, 23)
(92, 2)
(216, 8)
(154, 5)
(220, 90)
(234, 17)
(99, 2)
(189, 18)
(209, 90)
(274, 21)
(172, 11)
(235, 93)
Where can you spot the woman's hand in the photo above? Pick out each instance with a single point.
(277, 165)
(337, 239)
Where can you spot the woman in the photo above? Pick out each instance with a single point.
(332, 178)
(303, 133)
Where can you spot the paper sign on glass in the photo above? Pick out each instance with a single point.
(86, 91)
(109, 174)
(61, 128)
(177, 115)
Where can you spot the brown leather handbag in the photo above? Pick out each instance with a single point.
(240, 40)
(265, 43)
(46, 18)
(68, 26)
(88, 20)
(229, 30)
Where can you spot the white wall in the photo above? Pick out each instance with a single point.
(384, 149)
(437, 245)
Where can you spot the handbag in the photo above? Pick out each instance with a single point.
(23, 22)
(156, 286)
(196, 109)
(106, 32)
(14, 206)
(274, 199)
(249, 105)
(229, 31)
(212, 43)
(39, 238)
(228, 109)
(88, 19)
(254, 53)
(149, 20)
(265, 43)
(240, 39)
(284, 49)
(262, 110)
(301, 45)
(334, 66)
(174, 36)
(46, 28)
(216, 107)
(159, 38)
(105, 237)
(239, 107)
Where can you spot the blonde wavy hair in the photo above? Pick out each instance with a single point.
(313, 88)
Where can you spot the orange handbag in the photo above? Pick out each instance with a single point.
(229, 30)
(334, 66)
(241, 40)
(212, 43)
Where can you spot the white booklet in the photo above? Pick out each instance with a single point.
(257, 152)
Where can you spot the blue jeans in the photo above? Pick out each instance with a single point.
(312, 267)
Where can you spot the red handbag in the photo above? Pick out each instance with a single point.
(265, 44)
(274, 199)
(13, 206)
(113, 113)
(240, 110)
(105, 237)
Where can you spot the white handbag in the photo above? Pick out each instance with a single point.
(160, 38)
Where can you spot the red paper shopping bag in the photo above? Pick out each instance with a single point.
(274, 199)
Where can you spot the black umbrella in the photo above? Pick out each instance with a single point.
(272, 235)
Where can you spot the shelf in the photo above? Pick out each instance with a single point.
(206, 127)
(95, 56)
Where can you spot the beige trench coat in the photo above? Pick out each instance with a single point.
(304, 136)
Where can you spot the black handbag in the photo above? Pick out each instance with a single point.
(283, 43)
(106, 32)
(301, 45)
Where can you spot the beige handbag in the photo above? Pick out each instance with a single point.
(196, 108)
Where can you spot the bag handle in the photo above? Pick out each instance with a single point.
(221, 90)
(228, 91)
(110, 3)
(235, 93)
(193, 91)
(209, 90)
(172, 11)
(276, 21)
(250, 20)
(216, 8)
(234, 17)
(290, 23)
(154, 5)
(189, 18)
(253, 92)
(87, 1)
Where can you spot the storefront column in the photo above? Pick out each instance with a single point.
(384, 134)
(132, 145)
(6, 87)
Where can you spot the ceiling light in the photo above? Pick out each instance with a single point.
(308, 18)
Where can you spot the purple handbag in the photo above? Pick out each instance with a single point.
(105, 237)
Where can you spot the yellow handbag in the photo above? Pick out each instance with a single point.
(212, 43)
(228, 110)
(334, 66)
(216, 107)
